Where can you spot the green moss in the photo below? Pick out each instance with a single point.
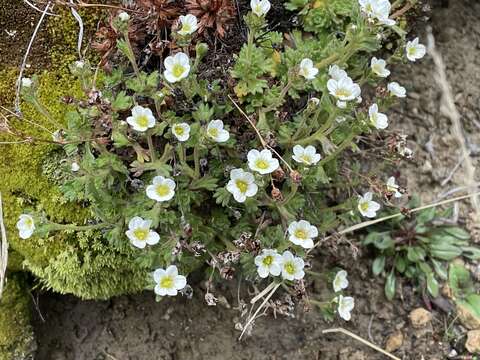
(80, 264)
(16, 333)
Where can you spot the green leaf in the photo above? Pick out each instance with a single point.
(425, 216)
(432, 285)
(471, 252)
(457, 232)
(424, 267)
(400, 264)
(122, 101)
(378, 265)
(440, 269)
(207, 182)
(390, 286)
(459, 280)
(415, 253)
(445, 251)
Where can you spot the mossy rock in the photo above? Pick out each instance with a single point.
(17, 341)
(82, 264)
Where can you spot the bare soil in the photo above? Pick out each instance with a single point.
(138, 328)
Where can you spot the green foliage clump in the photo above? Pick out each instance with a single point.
(418, 247)
(17, 340)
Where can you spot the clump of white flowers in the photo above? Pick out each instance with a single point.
(75, 167)
(140, 234)
(307, 70)
(189, 24)
(241, 185)
(27, 82)
(307, 155)
(342, 87)
(123, 16)
(340, 281)
(216, 132)
(262, 161)
(142, 119)
(161, 189)
(168, 282)
(415, 50)
(379, 67)
(177, 67)
(367, 206)
(269, 262)
(377, 119)
(345, 306)
(302, 233)
(397, 90)
(181, 131)
(377, 10)
(292, 266)
(25, 226)
(260, 7)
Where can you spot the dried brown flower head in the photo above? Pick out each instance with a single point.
(212, 14)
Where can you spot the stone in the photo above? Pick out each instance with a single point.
(394, 341)
(473, 341)
(420, 317)
(467, 318)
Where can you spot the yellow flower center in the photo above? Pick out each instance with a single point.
(213, 132)
(142, 120)
(301, 234)
(364, 206)
(261, 164)
(306, 159)
(179, 130)
(166, 282)
(141, 234)
(289, 268)
(241, 185)
(186, 28)
(368, 8)
(258, 9)
(377, 68)
(268, 260)
(178, 70)
(342, 93)
(28, 222)
(162, 190)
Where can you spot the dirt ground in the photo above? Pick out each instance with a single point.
(138, 328)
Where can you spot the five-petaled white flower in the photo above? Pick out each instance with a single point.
(269, 262)
(142, 118)
(140, 234)
(302, 233)
(307, 155)
(307, 70)
(189, 24)
(397, 90)
(292, 266)
(181, 131)
(343, 89)
(177, 67)
(168, 281)
(415, 50)
(336, 73)
(377, 9)
(124, 16)
(262, 161)
(340, 282)
(260, 7)
(377, 119)
(216, 132)
(393, 187)
(367, 206)
(345, 306)
(79, 64)
(241, 185)
(26, 82)
(75, 167)
(379, 68)
(161, 189)
(25, 226)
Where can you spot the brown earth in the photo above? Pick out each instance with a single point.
(136, 327)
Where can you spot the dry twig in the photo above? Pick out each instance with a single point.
(3, 249)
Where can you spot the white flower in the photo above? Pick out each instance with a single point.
(189, 24)
(181, 131)
(177, 67)
(396, 89)
(168, 281)
(336, 73)
(140, 234)
(340, 282)
(344, 89)
(260, 7)
(307, 156)
(124, 16)
(307, 70)
(359, 100)
(415, 50)
(241, 185)
(262, 161)
(75, 167)
(79, 64)
(26, 82)
(378, 67)
(377, 119)
(216, 132)
(377, 9)
(141, 119)
(345, 306)
(25, 226)
(302, 233)
(161, 189)
(341, 104)
(314, 100)
(269, 262)
(340, 119)
(393, 187)
(292, 266)
(367, 206)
